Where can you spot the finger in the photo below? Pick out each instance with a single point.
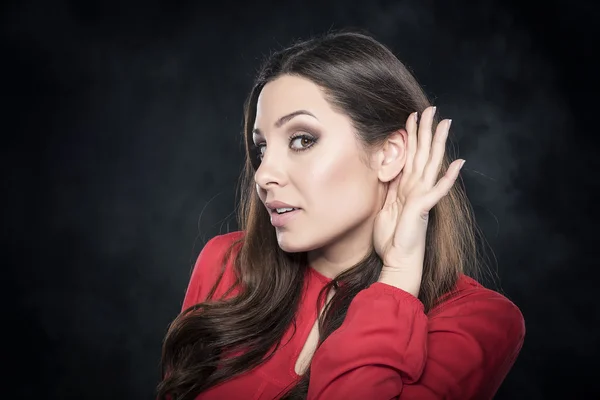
(411, 129)
(443, 186)
(392, 191)
(424, 141)
(436, 157)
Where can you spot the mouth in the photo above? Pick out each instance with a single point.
(285, 210)
(280, 217)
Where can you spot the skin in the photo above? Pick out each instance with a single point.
(339, 185)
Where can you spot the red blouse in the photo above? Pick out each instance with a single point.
(386, 348)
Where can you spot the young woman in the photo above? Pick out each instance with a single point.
(354, 273)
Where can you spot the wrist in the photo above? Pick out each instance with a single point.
(409, 282)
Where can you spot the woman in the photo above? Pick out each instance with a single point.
(352, 275)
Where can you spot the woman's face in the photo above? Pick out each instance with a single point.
(312, 160)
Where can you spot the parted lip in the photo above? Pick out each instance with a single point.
(272, 205)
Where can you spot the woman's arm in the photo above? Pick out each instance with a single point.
(388, 348)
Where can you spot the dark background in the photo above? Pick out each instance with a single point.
(121, 153)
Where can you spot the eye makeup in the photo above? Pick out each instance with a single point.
(304, 139)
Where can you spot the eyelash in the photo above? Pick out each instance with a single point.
(257, 147)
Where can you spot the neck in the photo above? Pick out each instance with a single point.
(345, 252)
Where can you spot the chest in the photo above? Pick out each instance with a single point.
(308, 350)
(288, 364)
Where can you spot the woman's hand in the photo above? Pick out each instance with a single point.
(401, 225)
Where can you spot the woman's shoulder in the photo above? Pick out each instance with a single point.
(215, 249)
(471, 300)
(487, 322)
(209, 265)
(223, 241)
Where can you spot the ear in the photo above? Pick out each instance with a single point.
(391, 156)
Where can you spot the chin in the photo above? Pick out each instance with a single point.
(290, 243)
(294, 243)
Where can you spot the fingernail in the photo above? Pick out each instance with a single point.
(416, 116)
(463, 163)
(449, 123)
(433, 110)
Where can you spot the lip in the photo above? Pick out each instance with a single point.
(278, 204)
(280, 220)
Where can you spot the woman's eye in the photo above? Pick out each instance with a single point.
(301, 142)
(261, 150)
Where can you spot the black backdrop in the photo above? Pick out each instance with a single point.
(121, 152)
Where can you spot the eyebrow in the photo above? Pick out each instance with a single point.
(286, 118)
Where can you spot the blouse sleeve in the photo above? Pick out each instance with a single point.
(387, 348)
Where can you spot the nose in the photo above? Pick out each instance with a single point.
(271, 172)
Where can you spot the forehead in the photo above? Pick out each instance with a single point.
(287, 94)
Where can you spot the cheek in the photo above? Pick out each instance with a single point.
(338, 186)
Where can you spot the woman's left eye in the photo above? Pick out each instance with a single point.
(301, 142)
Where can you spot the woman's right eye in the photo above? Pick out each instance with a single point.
(260, 149)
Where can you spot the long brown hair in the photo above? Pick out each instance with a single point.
(362, 78)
